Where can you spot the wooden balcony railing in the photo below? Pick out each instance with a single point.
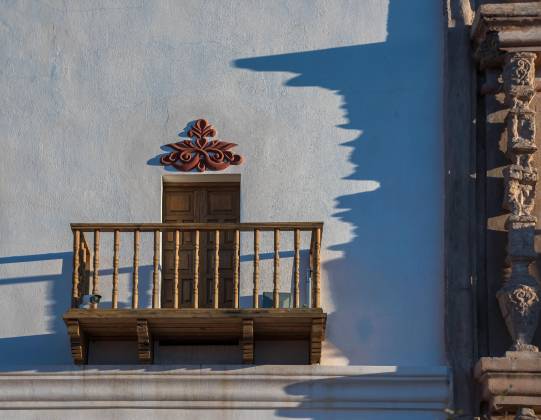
(86, 281)
(87, 262)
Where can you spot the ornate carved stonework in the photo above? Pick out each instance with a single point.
(200, 153)
(519, 296)
(505, 34)
(488, 53)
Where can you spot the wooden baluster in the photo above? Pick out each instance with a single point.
(256, 269)
(175, 275)
(75, 283)
(196, 270)
(84, 276)
(116, 257)
(297, 263)
(316, 287)
(236, 269)
(156, 272)
(82, 268)
(276, 280)
(135, 277)
(96, 277)
(86, 289)
(216, 283)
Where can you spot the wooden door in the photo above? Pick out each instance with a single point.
(199, 203)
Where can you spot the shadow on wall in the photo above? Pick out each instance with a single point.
(53, 347)
(390, 274)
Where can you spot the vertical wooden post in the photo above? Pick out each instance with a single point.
(115, 268)
(156, 272)
(316, 286)
(75, 283)
(296, 263)
(236, 269)
(175, 275)
(135, 277)
(196, 270)
(83, 266)
(276, 279)
(256, 269)
(96, 276)
(88, 267)
(216, 283)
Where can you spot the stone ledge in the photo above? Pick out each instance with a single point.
(518, 25)
(239, 387)
(510, 382)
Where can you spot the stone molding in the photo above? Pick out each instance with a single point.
(232, 387)
(515, 25)
(510, 383)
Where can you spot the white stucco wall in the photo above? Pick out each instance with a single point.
(336, 106)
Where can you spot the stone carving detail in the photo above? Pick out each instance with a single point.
(488, 53)
(519, 297)
(200, 153)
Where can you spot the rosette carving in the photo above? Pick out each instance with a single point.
(199, 152)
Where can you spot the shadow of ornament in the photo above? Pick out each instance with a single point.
(199, 152)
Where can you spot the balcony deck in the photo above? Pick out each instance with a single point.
(185, 326)
(189, 325)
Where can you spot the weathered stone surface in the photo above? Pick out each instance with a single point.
(515, 25)
(510, 383)
(231, 387)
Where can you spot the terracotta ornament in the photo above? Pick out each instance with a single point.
(200, 153)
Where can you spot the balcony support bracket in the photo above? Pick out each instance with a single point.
(316, 337)
(78, 342)
(145, 344)
(247, 341)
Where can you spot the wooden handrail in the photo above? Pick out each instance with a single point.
(149, 227)
(85, 258)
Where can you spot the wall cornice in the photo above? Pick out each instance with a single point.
(517, 26)
(260, 387)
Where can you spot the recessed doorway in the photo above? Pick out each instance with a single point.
(199, 202)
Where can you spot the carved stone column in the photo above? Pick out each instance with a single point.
(519, 296)
(508, 42)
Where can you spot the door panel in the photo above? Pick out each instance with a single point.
(200, 203)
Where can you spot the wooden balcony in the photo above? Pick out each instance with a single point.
(178, 313)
